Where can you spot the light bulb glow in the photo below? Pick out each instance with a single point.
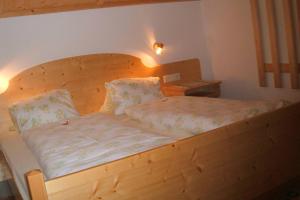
(158, 48)
(148, 61)
(158, 51)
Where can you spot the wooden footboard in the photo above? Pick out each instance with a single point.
(239, 161)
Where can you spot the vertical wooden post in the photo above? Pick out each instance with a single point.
(1, 6)
(36, 185)
(298, 25)
(274, 43)
(298, 14)
(258, 42)
(291, 43)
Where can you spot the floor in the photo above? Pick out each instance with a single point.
(5, 191)
(288, 191)
(8, 198)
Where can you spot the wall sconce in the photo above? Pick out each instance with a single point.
(158, 48)
(3, 84)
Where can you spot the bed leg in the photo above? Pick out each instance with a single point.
(36, 185)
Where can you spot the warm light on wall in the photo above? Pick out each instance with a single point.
(4, 82)
(148, 61)
(158, 48)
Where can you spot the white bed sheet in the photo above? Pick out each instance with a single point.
(87, 141)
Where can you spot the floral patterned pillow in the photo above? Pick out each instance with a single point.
(123, 93)
(47, 108)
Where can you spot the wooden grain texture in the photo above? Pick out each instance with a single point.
(258, 42)
(276, 67)
(270, 5)
(298, 17)
(10, 8)
(36, 185)
(284, 68)
(238, 161)
(291, 43)
(84, 76)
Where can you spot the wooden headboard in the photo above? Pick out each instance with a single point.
(84, 76)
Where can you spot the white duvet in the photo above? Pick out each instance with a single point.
(193, 115)
(86, 142)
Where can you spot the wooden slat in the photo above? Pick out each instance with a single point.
(36, 183)
(291, 43)
(284, 68)
(274, 42)
(10, 8)
(258, 42)
(298, 15)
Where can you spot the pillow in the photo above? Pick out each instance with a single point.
(47, 108)
(123, 93)
(108, 105)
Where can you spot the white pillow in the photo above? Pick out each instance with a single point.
(47, 108)
(123, 93)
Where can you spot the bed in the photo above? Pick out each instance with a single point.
(236, 161)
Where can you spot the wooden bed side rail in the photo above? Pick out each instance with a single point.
(238, 161)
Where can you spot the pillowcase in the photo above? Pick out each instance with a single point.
(123, 93)
(47, 108)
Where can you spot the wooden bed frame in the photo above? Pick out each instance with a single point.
(238, 161)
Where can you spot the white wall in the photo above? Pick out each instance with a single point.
(230, 41)
(219, 32)
(31, 40)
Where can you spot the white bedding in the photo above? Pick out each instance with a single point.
(86, 142)
(192, 115)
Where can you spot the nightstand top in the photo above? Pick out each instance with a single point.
(192, 88)
(193, 84)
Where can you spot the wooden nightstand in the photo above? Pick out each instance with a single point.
(193, 88)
